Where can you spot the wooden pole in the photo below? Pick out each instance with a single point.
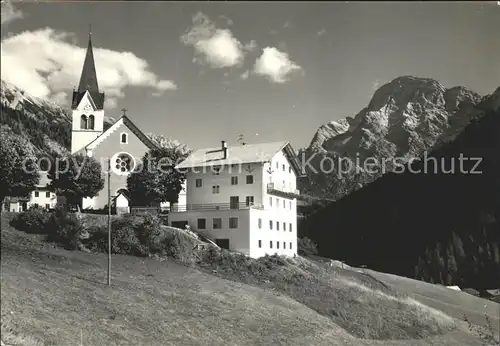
(109, 222)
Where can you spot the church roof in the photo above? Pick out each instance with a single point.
(124, 120)
(241, 154)
(88, 80)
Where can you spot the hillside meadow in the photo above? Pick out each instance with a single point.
(51, 296)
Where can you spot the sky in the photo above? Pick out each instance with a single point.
(205, 72)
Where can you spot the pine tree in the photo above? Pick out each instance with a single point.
(438, 263)
(451, 265)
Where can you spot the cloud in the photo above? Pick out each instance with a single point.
(215, 47)
(110, 103)
(321, 32)
(276, 65)
(9, 13)
(47, 64)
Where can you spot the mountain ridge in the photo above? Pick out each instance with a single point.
(404, 118)
(430, 224)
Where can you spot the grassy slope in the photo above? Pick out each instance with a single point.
(454, 304)
(60, 297)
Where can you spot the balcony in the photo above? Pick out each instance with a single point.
(282, 192)
(215, 207)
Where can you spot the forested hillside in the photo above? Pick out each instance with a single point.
(46, 125)
(440, 224)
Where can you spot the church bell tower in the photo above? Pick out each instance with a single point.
(87, 105)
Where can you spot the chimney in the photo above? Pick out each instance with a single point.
(224, 149)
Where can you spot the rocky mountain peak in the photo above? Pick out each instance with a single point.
(405, 117)
(406, 89)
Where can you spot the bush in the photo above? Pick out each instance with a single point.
(149, 233)
(178, 245)
(65, 228)
(306, 247)
(130, 235)
(98, 239)
(33, 220)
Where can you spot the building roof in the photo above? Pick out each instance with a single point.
(121, 193)
(122, 121)
(88, 80)
(241, 154)
(16, 199)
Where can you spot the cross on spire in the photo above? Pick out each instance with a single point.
(124, 110)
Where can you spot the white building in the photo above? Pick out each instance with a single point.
(243, 197)
(40, 197)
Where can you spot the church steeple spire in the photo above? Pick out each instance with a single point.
(88, 79)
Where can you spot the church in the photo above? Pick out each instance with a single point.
(124, 144)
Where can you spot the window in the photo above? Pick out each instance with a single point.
(215, 189)
(198, 182)
(216, 171)
(290, 245)
(290, 203)
(249, 179)
(90, 122)
(277, 245)
(271, 244)
(124, 163)
(260, 223)
(47, 206)
(234, 202)
(290, 228)
(284, 226)
(217, 223)
(124, 138)
(290, 169)
(271, 201)
(277, 225)
(36, 193)
(277, 165)
(234, 180)
(283, 168)
(284, 204)
(202, 223)
(260, 243)
(83, 122)
(233, 222)
(47, 194)
(270, 225)
(249, 200)
(284, 245)
(36, 205)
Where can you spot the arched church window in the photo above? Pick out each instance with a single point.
(83, 122)
(91, 122)
(124, 138)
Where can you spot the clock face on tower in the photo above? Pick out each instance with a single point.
(87, 108)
